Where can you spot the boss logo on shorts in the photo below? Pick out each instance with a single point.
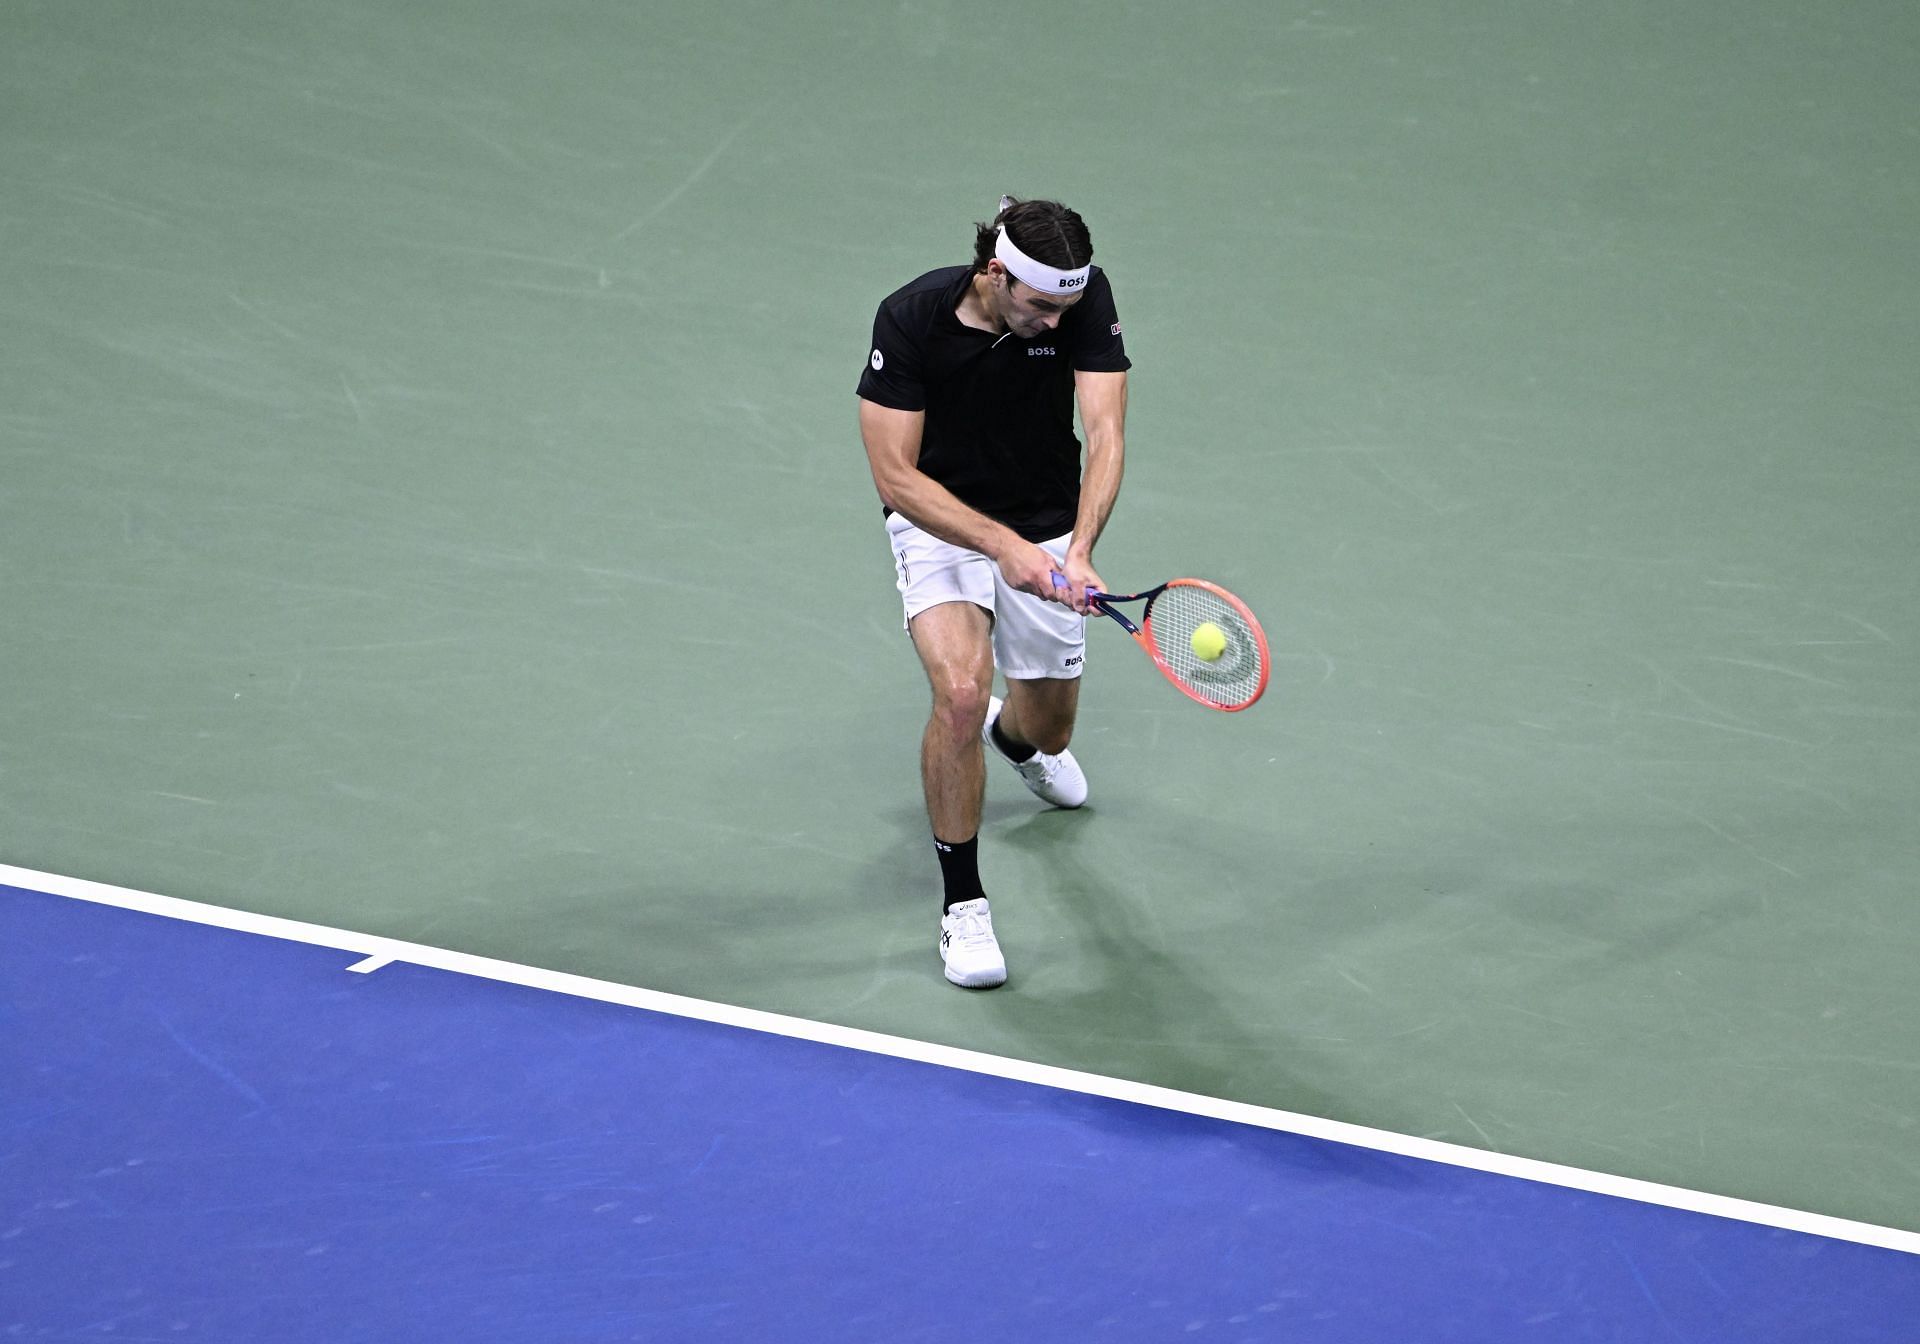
(1074, 661)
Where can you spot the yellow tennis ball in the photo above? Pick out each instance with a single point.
(1209, 642)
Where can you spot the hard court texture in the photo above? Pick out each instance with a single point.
(432, 506)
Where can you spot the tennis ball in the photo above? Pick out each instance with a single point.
(1209, 642)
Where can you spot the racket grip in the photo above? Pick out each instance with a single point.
(1098, 602)
(1060, 581)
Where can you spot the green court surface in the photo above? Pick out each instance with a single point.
(432, 506)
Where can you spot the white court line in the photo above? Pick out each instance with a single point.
(382, 951)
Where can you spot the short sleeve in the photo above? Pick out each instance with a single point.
(893, 373)
(1097, 345)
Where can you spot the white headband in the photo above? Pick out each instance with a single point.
(1037, 273)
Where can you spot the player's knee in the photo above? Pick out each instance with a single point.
(960, 707)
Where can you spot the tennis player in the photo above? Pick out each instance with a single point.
(966, 409)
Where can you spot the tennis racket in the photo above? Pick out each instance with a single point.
(1174, 612)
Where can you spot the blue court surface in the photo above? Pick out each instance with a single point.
(210, 1134)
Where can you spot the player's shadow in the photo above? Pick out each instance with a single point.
(1135, 1003)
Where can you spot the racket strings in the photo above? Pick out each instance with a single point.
(1230, 679)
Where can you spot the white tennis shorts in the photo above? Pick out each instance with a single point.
(1032, 637)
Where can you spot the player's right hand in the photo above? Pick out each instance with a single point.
(1030, 569)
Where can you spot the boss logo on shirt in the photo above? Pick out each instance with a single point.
(1035, 350)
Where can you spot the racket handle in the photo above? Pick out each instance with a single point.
(1099, 601)
(1093, 594)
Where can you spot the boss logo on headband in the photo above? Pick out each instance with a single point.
(1036, 274)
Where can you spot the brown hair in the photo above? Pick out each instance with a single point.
(1045, 230)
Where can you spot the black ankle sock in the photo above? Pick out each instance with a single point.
(1016, 751)
(959, 870)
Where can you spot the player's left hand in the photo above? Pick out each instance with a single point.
(1080, 576)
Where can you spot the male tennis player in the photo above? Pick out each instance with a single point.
(966, 408)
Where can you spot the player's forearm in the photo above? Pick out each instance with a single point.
(1099, 488)
(1103, 412)
(934, 509)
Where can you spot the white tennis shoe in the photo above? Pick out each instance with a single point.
(968, 947)
(1053, 779)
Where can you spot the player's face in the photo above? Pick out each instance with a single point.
(1026, 311)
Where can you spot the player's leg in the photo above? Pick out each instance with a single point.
(1041, 708)
(1041, 646)
(955, 644)
(1040, 712)
(948, 595)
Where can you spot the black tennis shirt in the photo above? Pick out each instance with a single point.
(999, 428)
